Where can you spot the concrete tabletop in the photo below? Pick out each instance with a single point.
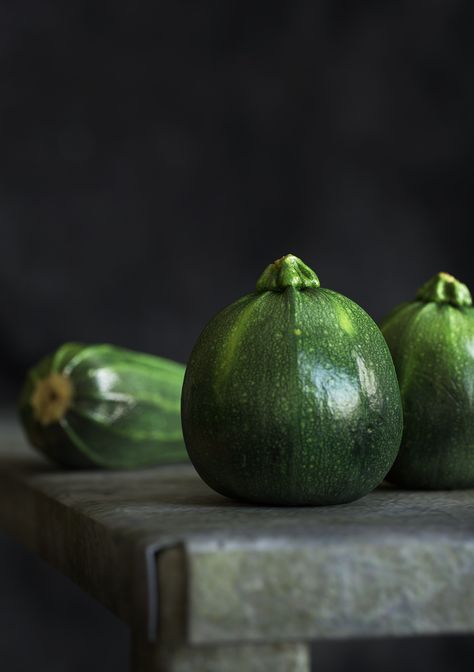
(170, 556)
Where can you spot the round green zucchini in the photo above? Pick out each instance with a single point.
(104, 406)
(432, 343)
(290, 396)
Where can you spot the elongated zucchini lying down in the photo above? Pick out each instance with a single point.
(104, 406)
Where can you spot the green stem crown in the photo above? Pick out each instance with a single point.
(288, 271)
(444, 288)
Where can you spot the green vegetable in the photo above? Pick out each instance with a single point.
(290, 395)
(432, 344)
(99, 405)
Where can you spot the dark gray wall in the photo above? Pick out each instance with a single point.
(155, 156)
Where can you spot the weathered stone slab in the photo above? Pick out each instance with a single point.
(392, 563)
(334, 587)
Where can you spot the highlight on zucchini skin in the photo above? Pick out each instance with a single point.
(104, 406)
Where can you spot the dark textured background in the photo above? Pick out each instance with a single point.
(154, 157)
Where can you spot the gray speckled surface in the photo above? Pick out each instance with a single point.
(392, 563)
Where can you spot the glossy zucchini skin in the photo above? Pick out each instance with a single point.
(290, 396)
(124, 412)
(432, 343)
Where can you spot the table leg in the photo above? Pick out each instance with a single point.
(223, 658)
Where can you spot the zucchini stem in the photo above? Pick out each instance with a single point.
(51, 398)
(288, 271)
(444, 288)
